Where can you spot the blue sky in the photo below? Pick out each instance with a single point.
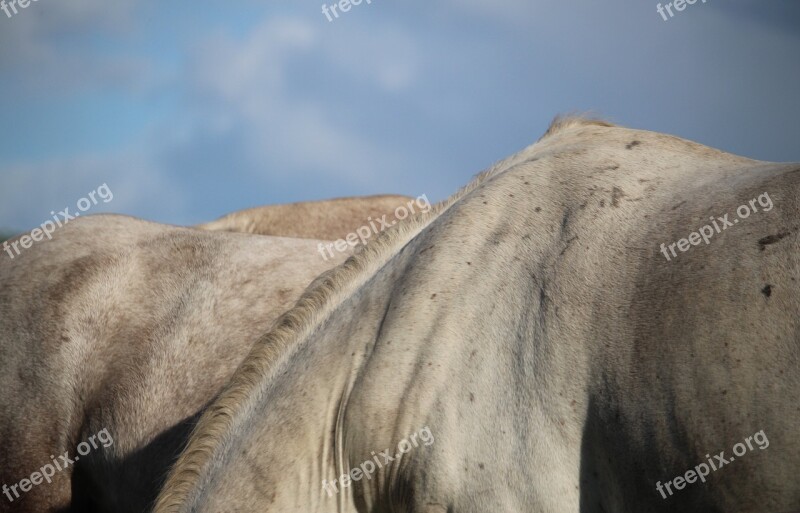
(189, 110)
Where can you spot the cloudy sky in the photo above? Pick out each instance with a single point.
(191, 109)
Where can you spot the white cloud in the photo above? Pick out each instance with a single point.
(251, 82)
(385, 56)
(248, 85)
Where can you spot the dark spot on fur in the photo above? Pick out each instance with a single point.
(284, 295)
(602, 203)
(565, 220)
(631, 144)
(538, 209)
(433, 296)
(471, 397)
(678, 205)
(543, 298)
(771, 239)
(480, 466)
(767, 290)
(566, 246)
(616, 194)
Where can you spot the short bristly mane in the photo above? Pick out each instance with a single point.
(563, 123)
(312, 307)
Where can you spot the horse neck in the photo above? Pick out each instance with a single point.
(304, 398)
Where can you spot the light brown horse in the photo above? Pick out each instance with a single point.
(325, 220)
